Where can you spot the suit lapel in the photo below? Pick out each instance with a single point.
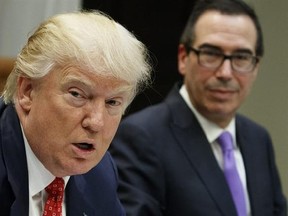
(76, 198)
(15, 159)
(248, 146)
(197, 150)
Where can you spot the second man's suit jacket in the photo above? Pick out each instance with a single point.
(167, 167)
(90, 194)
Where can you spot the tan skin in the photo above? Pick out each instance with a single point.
(66, 108)
(217, 94)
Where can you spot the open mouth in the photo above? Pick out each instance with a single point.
(84, 146)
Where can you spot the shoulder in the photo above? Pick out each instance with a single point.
(159, 113)
(245, 122)
(104, 172)
(252, 129)
(103, 177)
(147, 114)
(98, 187)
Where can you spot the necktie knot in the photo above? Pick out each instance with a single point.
(56, 189)
(225, 141)
(55, 192)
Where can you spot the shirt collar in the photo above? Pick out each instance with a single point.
(211, 130)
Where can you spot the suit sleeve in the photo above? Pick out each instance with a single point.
(280, 203)
(266, 196)
(138, 165)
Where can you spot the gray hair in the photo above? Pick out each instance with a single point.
(92, 41)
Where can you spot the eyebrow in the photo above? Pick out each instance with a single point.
(121, 89)
(72, 79)
(219, 49)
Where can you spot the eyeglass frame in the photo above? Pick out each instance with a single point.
(255, 59)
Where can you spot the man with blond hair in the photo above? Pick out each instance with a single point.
(60, 110)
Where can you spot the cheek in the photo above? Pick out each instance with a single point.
(57, 120)
(246, 85)
(197, 81)
(111, 127)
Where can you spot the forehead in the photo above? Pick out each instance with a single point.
(92, 80)
(226, 31)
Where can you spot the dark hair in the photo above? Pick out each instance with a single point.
(228, 7)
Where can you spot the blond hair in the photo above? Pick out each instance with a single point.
(88, 39)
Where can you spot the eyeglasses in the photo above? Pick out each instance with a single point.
(242, 63)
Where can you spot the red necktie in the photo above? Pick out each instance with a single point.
(53, 205)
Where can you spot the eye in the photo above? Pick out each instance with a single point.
(115, 106)
(243, 61)
(113, 102)
(76, 97)
(75, 93)
(212, 53)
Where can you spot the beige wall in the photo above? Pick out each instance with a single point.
(268, 102)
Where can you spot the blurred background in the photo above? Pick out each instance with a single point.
(158, 24)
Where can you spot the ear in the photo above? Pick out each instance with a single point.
(24, 93)
(257, 69)
(182, 58)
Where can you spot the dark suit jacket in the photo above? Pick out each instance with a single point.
(91, 194)
(167, 167)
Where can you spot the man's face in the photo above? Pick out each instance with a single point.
(218, 93)
(70, 117)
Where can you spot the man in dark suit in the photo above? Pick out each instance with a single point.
(60, 109)
(169, 156)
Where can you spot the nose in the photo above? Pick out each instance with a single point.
(94, 118)
(225, 70)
